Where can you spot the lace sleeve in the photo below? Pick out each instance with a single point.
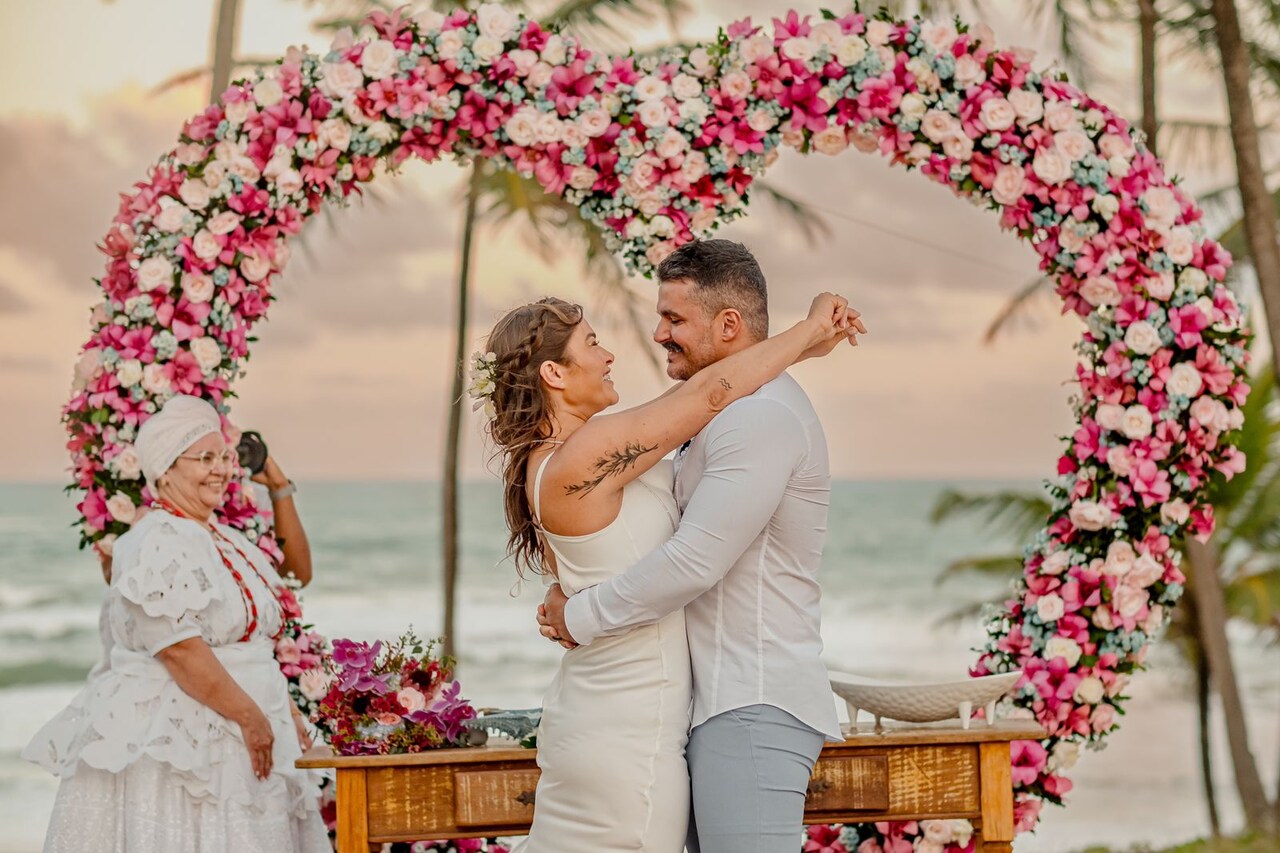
(164, 588)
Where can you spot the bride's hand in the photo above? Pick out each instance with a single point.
(847, 327)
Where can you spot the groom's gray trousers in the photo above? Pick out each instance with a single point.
(749, 770)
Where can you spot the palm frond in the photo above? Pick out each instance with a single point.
(810, 223)
(1018, 308)
(994, 565)
(1255, 598)
(1018, 514)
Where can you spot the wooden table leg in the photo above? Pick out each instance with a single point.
(996, 781)
(353, 811)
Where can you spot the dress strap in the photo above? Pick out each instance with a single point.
(537, 488)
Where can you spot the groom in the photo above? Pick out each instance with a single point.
(753, 488)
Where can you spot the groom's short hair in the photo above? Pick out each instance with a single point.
(725, 275)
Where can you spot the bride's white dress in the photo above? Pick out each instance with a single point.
(615, 719)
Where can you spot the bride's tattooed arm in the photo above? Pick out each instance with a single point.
(615, 462)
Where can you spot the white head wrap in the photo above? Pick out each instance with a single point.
(164, 436)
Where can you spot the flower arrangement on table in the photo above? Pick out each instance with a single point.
(391, 699)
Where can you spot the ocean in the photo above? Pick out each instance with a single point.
(377, 571)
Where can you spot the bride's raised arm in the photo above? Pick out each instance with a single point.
(610, 451)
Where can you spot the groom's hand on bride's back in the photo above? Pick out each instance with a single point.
(551, 617)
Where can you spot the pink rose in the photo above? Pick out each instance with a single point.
(205, 245)
(736, 85)
(224, 222)
(830, 140)
(194, 194)
(1100, 290)
(998, 114)
(1179, 245)
(155, 273)
(1162, 207)
(287, 651)
(314, 684)
(1051, 166)
(1010, 181)
(1146, 571)
(386, 718)
(1129, 601)
(1160, 287)
(969, 72)
(1176, 511)
(595, 123)
(1073, 144)
(1060, 115)
(1103, 718)
(1142, 338)
(1116, 145)
(1090, 515)
(88, 367)
(1120, 558)
(122, 508)
(255, 267)
(938, 125)
(412, 699)
(959, 147)
(1211, 414)
(1029, 106)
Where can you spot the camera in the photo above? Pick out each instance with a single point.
(252, 451)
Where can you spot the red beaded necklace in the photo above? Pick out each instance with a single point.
(246, 595)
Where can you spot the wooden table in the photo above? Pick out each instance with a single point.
(903, 772)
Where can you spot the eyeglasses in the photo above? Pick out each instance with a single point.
(211, 459)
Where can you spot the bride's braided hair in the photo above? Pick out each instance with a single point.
(521, 341)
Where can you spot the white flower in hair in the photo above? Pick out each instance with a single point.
(484, 378)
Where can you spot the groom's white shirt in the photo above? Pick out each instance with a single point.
(753, 488)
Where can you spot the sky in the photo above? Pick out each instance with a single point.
(350, 377)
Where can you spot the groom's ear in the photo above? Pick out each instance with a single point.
(729, 325)
(552, 374)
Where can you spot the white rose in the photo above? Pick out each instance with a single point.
(129, 372)
(190, 153)
(799, 47)
(496, 21)
(913, 105)
(289, 181)
(449, 44)
(553, 52)
(851, 50)
(1073, 144)
(1089, 691)
(1142, 338)
(1184, 380)
(761, 121)
(524, 60)
(1118, 167)
(521, 128)
(1116, 145)
(1154, 621)
(1056, 563)
(207, 352)
(88, 367)
(694, 109)
(1137, 422)
(154, 380)
(654, 114)
(1194, 279)
(736, 85)
(1062, 647)
(571, 135)
(938, 125)
(380, 59)
(1029, 106)
(756, 48)
(1106, 205)
(268, 92)
(1176, 511)
(197, 287)
(650, 89)
(281, 160)
(1146, 571)
(879, 32)
(1060, 115)
(1120, 557)
(126, 464)
(1211, 414)
(486, 49)
(155, 273)
(122, 508)
(1009, 184)
(548, 128)
(172, 216)
(334, 133)
(938, 35)
(695, 167)
(830, 140)
(255, 267)
(1050, 608)
(969, 72)
(382, 131)
(582, 178)
(1051, 166)
(959, 147)
(314, 684)
(1100, 290)
(224, 223)
(245, 169)
(1160, 287)
(686, 86)
(340, 80)
(998, 114)
(1090, 515)
(595, 123)
(1162, 206)
(194, 194)
(671, 144)
(206, 246)
(1109, 416)
(826, 34)
(1179, 245)
(1235, 418)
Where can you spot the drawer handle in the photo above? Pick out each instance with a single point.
(525, 798)
(818, 786)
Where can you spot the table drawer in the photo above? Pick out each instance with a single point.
(494, 797)
(855, 783)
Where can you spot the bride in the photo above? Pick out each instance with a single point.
(586, 495)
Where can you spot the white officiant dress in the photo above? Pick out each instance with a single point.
(615, 719)
(146, 767)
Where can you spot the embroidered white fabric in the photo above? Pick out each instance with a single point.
(143, 762)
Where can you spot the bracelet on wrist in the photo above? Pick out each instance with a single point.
(283, 492)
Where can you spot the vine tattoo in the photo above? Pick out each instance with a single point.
(611, 464)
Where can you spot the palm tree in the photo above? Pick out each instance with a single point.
(1243, 557)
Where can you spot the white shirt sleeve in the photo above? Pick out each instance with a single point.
(752, 448)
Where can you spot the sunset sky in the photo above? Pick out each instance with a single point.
(350, 376)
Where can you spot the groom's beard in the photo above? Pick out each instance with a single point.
(683, 364)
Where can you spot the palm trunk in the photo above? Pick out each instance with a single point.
(226, 30)
(1259, 209)
(1206, 753)
(453, 440)
(1211, 614)
(1147, 18)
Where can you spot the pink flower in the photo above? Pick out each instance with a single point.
(1029, 759)
(412, 699)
